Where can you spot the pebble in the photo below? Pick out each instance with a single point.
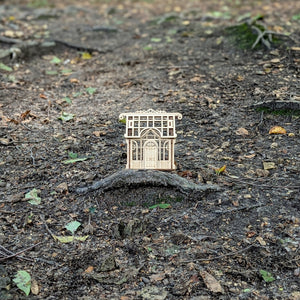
(225, 145)
(62, 188)
(145, 280)
(2, 184)
(237, 148)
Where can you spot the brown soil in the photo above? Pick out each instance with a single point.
(164, 55)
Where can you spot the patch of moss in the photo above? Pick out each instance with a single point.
(279, 112)
(38, 3)
(166, 199)
(244, 36)
(130, 203)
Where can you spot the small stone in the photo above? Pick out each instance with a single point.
(274, 52)
(225, 145)
(237, 148)
(274, 145)
(275, 60)
(108, 264)
(62, 188)
(262, 173)
(145, 280)
(224, 129)
(295, 295)
(268, 165)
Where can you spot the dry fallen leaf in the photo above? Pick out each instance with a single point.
(240, 78)
(197, 79)
(89, 269)
(295, 48)
(99, 133)
(275, 60)
(277, 130)
(212, 284)
(34, 287)
(250, 234)
(261, 241)
(43, 96)
(4, 141)
(221, 170)
(157, 277)
(242, 131)
(24, 114)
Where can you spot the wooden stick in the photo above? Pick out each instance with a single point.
(220, 256)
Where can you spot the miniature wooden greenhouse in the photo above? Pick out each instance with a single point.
(150, 137)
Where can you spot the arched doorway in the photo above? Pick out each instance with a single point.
(151, 148)
(150, 154)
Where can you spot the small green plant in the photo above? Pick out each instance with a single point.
(38, 3)
(160, 205)
(68, 100)
(73, 158)
(72, 155)
(131, 203)
(55, 60)
(73, 226)
(296, 17)
(267, 276)
(91, 90)
(5, 67)
(23, 281)
(65, 117)
(33, 197)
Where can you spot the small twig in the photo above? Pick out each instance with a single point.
(260, 38)
(220, 256)
(79, 47)
(49, 262)
(7, 211)
(172, 67)
(17, 255)
(261, 119)
(32, 157)
(137, 98)
(261, 35)
(7, 40)
(265, 185)
(238, 209)
(47, 228)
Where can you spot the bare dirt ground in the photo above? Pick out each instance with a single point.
(68, 69)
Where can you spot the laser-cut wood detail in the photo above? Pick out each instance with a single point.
(150, 137)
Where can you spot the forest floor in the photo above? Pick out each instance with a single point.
(69, 68)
